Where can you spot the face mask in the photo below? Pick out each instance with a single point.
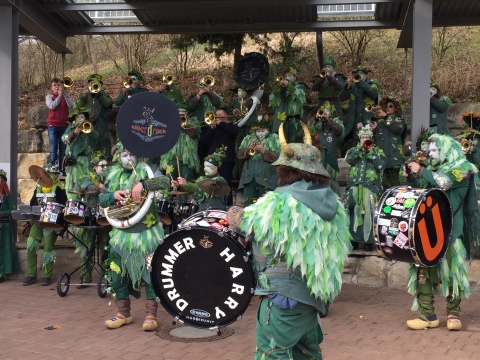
(326, 112)
(289, 77)
(363, 138)
(209, 168)
(328, 68)
(424, 146)
(433, 154)
(80, 118)
(261, 133)
(101, 167)
(433, 91)
(126, 157)
(241, 93)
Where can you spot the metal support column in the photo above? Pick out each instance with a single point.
(421, 58)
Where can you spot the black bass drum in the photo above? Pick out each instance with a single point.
(413, 225)
(203, 277)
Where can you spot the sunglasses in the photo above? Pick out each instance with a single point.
(391, 106)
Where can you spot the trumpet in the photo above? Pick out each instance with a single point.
(251, 150)
(369, 107)
(323, 73)
(207, 81)
(467, 146)
(279, 79)
(356, 77)
(94, 87)
(67, 81)
(127, 82)
(320, 113)
(367, 143)
(184, 120)
(86, 127)
(168, 79)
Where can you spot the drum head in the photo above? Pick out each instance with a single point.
(148, 124)
(252, 70)
(203, 277)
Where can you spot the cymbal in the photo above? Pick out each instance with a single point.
(176, 192)
(83, 192)
(40, 175)
(214, 187)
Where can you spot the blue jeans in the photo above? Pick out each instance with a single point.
(55, 139)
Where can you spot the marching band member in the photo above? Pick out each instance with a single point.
(364, 186)
(328, 130)
(130, 246)
(389, 129)
(287, 100)
(212, 163)
(329, 85)
(98, 102)
(57, 194)
(171, 91)
(259, 150)
(438, 110)
(300, 240)
(131, 87)
(204, 100)
(8, 250)
(449, 170)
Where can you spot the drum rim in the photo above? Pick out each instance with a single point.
(163, 300)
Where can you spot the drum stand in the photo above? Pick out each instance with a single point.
(93, 258)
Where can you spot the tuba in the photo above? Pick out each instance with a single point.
(168, 79)
(67, 81)
(94, 87)
(257, 95)
(130, 212)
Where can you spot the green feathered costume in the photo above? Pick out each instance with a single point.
(455, 176)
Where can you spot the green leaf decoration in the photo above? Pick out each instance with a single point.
(282, 116)
(371, 175)
(150, 220)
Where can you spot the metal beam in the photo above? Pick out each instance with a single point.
(191, 4)
(405, 38)
(41, 24)
(234, 28)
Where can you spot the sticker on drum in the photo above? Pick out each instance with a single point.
(387, 209)
(398, 207)
(390, 201)
(203, 277)
(396, 213)
(422, 233)
(51, 216)
(383, 230)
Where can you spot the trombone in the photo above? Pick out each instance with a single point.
(210, 117)
(67, 81)
(94, 87)
(168, 79)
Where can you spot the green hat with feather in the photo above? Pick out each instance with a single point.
(217, 156)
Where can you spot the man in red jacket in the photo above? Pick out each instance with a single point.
(59, 103)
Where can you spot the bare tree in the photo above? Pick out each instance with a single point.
(445, 39)
(48, 62)
(355, 43)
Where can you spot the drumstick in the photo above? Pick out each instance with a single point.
(178, 166)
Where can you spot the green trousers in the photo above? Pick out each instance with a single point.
(287, 333)
(33, 243)
(252, 191)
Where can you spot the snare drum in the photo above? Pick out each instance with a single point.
(165, 211)
(51, 216)
(203, 276)
(413, 225)
(75, 211)
(187, 209)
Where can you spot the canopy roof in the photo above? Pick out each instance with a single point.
(52, 21)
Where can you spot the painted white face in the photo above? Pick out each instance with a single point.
(433, 91)
(128, 159)
(261, 133)
(289, 77)
(328, 68)
(363, 76)
(80, 118)
(433, 153)
(364, 137)
(209, 168)
(326, 111)
(101, 166)
(424, 146)
(241, 93)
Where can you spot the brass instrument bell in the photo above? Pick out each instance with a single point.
(67, 81)
(279, 79)
(467, 146)
(252, 151)
(323, 73)
(320, 113)
(184, 120)
(86, 127)
(94, 87)
(369, 107)
(209, 118)
(207, 81)
(127, 82)
(168, 79)
(356, 77)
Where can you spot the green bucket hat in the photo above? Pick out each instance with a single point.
(97, 156)
(95, 77)
(329, 60)
(74, 111)
(361, 68)
(305, 157)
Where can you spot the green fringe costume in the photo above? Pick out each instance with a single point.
(438, 114)
(258, 174)
(9, 262)
(130, 246)
(287, 104)
(202, 198)
(300, 241)
(454, 175)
